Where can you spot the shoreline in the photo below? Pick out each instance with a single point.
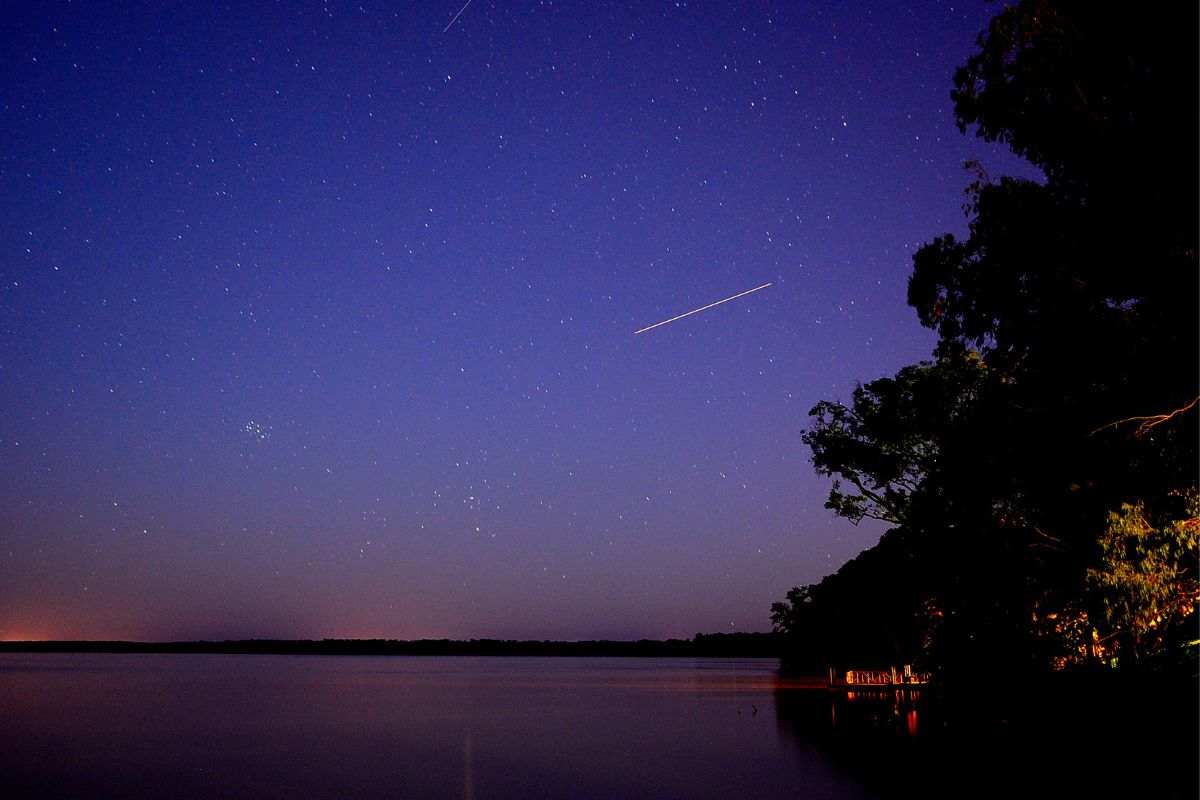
(754, 645)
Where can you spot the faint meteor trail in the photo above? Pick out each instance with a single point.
(701, 308)
(456, 16)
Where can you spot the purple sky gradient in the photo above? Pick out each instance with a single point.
(318, 321)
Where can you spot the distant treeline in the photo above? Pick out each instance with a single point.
(726, 645)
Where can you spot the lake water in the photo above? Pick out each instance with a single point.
(185, 726)
(241, 726)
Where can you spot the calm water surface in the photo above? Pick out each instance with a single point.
(187, 726)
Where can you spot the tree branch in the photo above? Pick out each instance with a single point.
(1148, 423)
(878, 500)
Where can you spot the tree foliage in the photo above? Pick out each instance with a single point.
(1147, 573)
(870, 629)
(1069, 309)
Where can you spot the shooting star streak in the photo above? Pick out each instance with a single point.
(456, 16)
(702, 308)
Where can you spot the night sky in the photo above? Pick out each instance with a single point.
(317, 320)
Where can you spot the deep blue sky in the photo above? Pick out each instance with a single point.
(316, 320)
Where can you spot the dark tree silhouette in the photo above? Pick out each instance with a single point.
(1063, 388)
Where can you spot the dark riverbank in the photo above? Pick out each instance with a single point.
(719, 645)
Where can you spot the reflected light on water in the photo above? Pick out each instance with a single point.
(468, 769)
(431, 727)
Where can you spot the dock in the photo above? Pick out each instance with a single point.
(905, 678)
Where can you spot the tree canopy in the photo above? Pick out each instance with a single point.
(1024, 467)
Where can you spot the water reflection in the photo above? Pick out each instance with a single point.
(894, 712)
(1061, 739)
(873, 735)
(301, 726)
(313, 727)
(468, 769)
